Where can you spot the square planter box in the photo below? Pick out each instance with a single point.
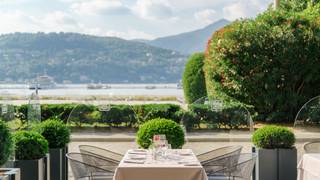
(47, 170)
(58, 164)
(276, 164)
(65, 164)
(10, 174)
(31, 169)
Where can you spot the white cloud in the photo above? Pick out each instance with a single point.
(153, 9)
(243, 9)
(94, 7)
(206, 16)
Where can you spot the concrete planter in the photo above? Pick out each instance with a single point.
(31, 169)
(65, 164)
(58, 164)
(47, 167)
(10, 174)
(276, 164)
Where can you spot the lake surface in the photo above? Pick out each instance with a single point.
(82, 90)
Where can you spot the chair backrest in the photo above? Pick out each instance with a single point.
(312, 147)
(101, 152)
(241, 170)
(85, 165)
(219, 153)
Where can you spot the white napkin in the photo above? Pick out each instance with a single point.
(136, 157)
(134, 161)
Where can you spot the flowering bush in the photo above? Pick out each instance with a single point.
(271, 63)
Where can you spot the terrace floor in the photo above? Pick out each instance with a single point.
(198, 142)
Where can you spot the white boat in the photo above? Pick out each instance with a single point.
(94, 86)
(43, 82)
(151, 87)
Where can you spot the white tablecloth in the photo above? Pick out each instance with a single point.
(309, 167)
(159, 170)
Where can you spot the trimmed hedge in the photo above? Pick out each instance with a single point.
(30, 145)
(193, 81)
(273, 137)
(55, 131)
(231, 116)
(271, 63)
(173, 131)
(6, 143)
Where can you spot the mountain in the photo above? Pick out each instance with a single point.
(83, 59)
(189, 42)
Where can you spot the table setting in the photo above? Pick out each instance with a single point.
(160, 162)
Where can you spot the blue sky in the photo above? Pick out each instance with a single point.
(129, 19)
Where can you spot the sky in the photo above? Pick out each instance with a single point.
(128, 19)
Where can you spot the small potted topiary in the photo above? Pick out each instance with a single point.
(58, 136)
(6, 149)
(30, 150)
(277, 156)
(173, 131)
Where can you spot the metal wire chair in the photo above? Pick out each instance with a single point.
(90, 167)
(101, 152)
(242, 170)
(219, 153)
(312, 147)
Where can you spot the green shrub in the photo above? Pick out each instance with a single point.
(56, 133)
(30, 145)
(232, 116)
(57, 111)
(193, 80)
(6, 143)
(296, 5)
(173, 131)
(273, 137)
(271, 63)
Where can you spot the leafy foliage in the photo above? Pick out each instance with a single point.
(173, 131)
(30, 145)
(55, 131)
(273, 137)
(271, 62)
(193, 81)
(6, 143)
(83, 59)
(297, 5)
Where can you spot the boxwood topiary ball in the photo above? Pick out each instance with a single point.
(56, 133)
(30, 145)
(173, 131)
(6, 143)
(273, 137)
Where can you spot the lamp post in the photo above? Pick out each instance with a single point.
(276, 4)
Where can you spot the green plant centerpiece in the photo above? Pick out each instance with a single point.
(58, 136)
(30, 152)
(55, 132)
(173, 131)
(277, 157)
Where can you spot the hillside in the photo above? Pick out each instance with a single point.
(189, 42)
(82, 59)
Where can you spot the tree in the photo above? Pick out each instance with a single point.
(271, 63)
(193, 80)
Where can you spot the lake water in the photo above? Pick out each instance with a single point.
(82, 90)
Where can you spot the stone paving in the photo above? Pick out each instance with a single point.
(198, 142)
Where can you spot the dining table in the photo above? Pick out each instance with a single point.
(309, 167)
(173, 164)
